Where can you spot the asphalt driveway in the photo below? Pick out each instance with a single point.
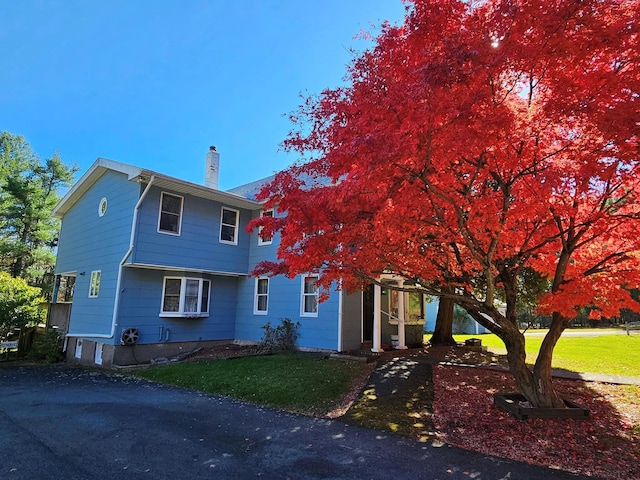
(68, 422)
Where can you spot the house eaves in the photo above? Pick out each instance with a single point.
(137, 174)
(202, 191)
(95, 171)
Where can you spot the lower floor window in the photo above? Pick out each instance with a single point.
(185, 297)
(261, 302)
(309, 307)
(94, 284)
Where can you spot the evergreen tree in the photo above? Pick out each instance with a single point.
(28, 193)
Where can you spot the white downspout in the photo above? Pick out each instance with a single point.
(340, 335)
(116, 301)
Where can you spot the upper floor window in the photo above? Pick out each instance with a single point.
(185, 297)
(261, 239)
(102, 207)
(229, 226)
(170, 214)
(94, 284)
(309, 300)
(261, 302)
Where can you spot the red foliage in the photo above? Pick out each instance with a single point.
(475, 140)
(606, 445)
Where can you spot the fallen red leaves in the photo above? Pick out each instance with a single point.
(605, 445)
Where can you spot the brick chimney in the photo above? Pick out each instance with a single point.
(213, 168)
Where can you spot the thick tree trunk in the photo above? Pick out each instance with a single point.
(542, 367)
(443, 331)
(536, 385)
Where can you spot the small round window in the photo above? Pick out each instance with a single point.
(102, 208)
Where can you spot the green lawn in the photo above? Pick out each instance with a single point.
(311, 383)
(610, 354)
(296, 382)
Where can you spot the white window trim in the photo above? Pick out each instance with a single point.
(166, 232)
(255, 297)
(102, 207)
(262, 242)
(303, 295)
(93, 293)
(235, 232)
(78, 352)
(183, 284)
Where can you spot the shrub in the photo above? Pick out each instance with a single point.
(19, 304)
(280, 338)
(47, 347)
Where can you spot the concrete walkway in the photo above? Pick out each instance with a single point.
(596, 377)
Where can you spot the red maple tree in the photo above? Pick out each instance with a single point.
(474, 141)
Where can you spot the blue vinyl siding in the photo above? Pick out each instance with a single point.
(284, 302)
(89, 242)
(198, 244)
(141, 300)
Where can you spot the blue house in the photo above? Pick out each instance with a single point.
(154, 266)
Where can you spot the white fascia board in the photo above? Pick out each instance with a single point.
(137, 174)
(95, 171)
(202, 191)
(173, 268)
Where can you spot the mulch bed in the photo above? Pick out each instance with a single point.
(606, 445)
(230, 350)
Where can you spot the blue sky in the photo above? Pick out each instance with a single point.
(153, 83)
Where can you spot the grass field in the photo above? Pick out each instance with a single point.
(296, 382)
(609, 354)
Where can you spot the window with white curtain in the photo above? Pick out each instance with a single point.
(185, 297)
(261, 302)
(309, 300)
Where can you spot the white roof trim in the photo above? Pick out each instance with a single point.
(95, 171)
(182, 186)
(101, 165)
(171, 268)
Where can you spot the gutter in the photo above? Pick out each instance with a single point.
(116, 302)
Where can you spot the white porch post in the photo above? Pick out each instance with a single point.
(401, 314)
(377, 291)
